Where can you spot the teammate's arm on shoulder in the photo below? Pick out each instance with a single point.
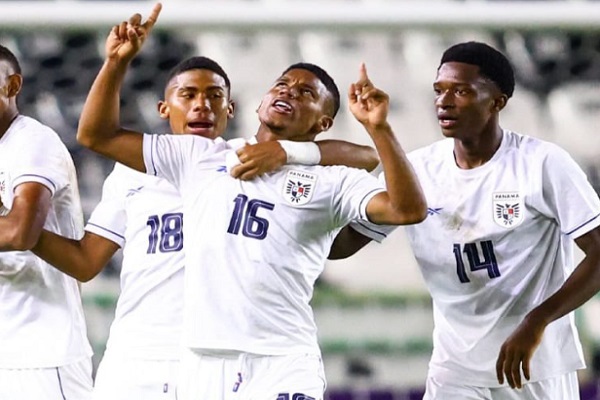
(260, 158)
(339, 152)
(20, 228)
(82, 259)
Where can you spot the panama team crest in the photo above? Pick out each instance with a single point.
(299, 187)
(508, 209)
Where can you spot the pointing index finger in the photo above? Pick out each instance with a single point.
(153, 16)
(362, 74)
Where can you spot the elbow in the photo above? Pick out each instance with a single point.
(372, 160)
(86, 139)
(419, 216)
(411, 216)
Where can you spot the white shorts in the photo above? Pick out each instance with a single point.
(69, 382)
(121, 378)
(564, 387)
(243, 376)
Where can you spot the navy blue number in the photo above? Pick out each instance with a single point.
(245, 216)
(295, 396)
(488, 263)
(154, 224)
(166, 233)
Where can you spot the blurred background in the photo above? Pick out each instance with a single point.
(373, 312)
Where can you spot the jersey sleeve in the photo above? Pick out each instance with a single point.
(369, 229)
(356, 189)
(567, 195)
(43, 160)
(170, 156)
(109, 218)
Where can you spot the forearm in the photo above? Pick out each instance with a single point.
(81, 259)
(404, 190)
(99, 124)
(337, 152)
(582, 285)
(17, 234)
(100, 114)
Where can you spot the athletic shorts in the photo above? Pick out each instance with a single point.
(121, 378)
(69, 382)
(243, 376)
(564, 387)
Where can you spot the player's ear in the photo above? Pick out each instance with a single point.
(326, 122)
(500, 102)
(231, 109)
(14, 85)
(163, 109)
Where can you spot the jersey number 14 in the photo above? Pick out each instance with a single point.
(488, 263)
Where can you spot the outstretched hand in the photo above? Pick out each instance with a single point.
(368, 104)
(126, 39)
(516, 352)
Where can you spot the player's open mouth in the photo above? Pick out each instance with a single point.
(200, 127)
(447, 123)
(283, 107)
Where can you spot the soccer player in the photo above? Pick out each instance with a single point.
(44, 351)
(143, 214)
(257, 246)
(496, 250)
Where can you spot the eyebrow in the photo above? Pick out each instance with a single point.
(195, 88)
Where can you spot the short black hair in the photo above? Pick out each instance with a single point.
(199, 62)
(324, 77)
(492, 64)
(7, 55)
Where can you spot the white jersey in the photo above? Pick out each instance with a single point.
(143, 214)
(41, 317)
(497, 242)
(254, 249)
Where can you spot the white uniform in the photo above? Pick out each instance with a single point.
(497, 242)
(42, 325)
(254, 249)
(143, 214)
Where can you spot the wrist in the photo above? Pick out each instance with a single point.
(304, 153)
(382, 127)
(538, 318)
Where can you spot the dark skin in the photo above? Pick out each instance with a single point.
(468, 107)
(196, 102)
(21, 227)
(100, 130)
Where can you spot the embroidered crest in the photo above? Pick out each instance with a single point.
(508, 209)
(299, 187)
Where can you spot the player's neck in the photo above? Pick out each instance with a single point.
(7, 119)
(475, 152)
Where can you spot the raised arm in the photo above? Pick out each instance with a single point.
(404, 202)
(99, 125)
(82, 259)
(260, 158)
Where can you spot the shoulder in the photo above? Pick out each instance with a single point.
(534, 150)
(32, 132)
(433, 153)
